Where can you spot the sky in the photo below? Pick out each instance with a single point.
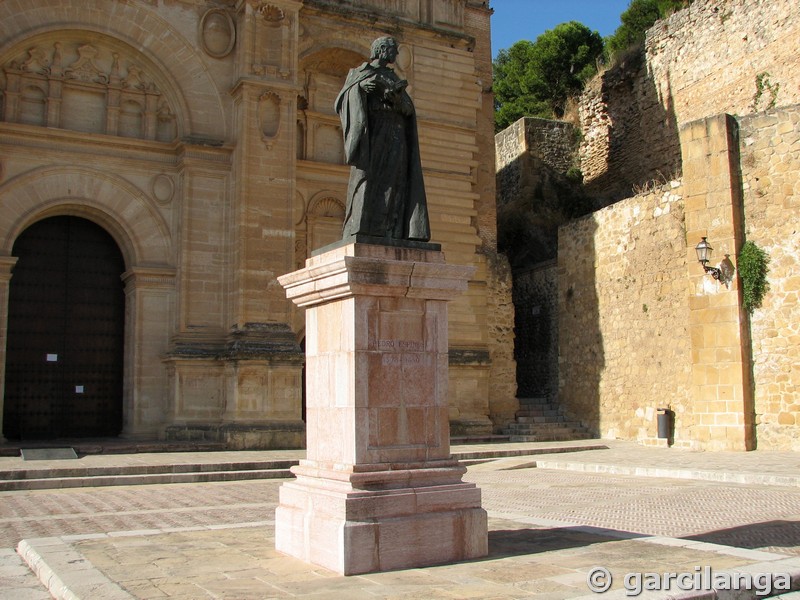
(515, 20)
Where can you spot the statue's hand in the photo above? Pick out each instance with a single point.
(368, 85)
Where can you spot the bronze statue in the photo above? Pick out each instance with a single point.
(386, 193)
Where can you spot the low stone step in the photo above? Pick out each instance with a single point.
(144, 469)
(538, 412)
(142, 479)
(556, 418)
(533, 402)
(551, 437)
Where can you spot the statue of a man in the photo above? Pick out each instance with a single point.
(386, 193)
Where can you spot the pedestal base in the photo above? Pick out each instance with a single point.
(351, 531)
(379, 489)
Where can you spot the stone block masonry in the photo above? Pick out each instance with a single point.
(770, 150)
(623, 337)
(203, 138)
(642, 327)
(716, 56)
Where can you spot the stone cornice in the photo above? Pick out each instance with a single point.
(382, 21)
(375, 270)
(108, 147)
(152, 277)
(6, 266)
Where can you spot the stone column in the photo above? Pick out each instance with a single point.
(722, 395)
(379, 489)
(6, 265)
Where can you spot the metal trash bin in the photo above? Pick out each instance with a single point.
(665, 420)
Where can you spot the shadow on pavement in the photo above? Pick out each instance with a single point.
(779, 536)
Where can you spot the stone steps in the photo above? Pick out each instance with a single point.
(71, 477)
(540, 420)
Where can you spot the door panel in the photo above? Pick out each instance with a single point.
(65, 333)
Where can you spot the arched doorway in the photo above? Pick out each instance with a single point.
(66, 314)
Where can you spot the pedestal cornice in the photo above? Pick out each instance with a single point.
(372, 270)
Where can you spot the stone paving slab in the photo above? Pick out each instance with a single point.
(239, 562)
(17, 581)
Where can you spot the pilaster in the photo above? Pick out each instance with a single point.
(722, 416)
(6, 266)
(149, 310)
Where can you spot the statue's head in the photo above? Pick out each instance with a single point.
(384, 48)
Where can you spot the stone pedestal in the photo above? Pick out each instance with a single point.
(379, 489)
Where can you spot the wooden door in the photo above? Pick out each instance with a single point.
(64, 357)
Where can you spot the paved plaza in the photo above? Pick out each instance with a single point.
(554, 519)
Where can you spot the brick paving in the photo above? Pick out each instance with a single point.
(746, 516)
(547, 528)
(101, 510)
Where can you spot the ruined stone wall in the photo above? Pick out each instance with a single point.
(734, 56)
(629, 137)
(529, 143)
(770, 150)
(623, 317)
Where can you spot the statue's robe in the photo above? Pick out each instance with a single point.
(386, 192)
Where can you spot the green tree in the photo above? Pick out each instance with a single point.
(637, 19)
(535, 79)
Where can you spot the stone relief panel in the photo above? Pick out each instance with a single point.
(269, 117)
(163, 188)
(328, 145)
(320, 225)
(436, 12)
(88, 86)
(324, 222)
(271, 40)
(448, 12)
(318, 126)
(217, 33)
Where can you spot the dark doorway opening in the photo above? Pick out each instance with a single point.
(66, 326)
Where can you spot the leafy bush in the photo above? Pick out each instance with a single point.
(753, 268)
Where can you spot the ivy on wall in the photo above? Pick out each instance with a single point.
(753, 269)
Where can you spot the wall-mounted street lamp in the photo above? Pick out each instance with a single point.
(723, 274)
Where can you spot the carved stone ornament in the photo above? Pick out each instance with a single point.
(163, 188)
(90, 87)
(270, 13)
(85, 69)
(327, 206)
(217, 33)
(269, 117)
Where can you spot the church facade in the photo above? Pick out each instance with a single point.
(162, 162)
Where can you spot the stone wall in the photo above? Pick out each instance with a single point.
(734, 56)
(629, 137)
(770, 150)
(622, 322)
(642, 327)
(529, 147)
